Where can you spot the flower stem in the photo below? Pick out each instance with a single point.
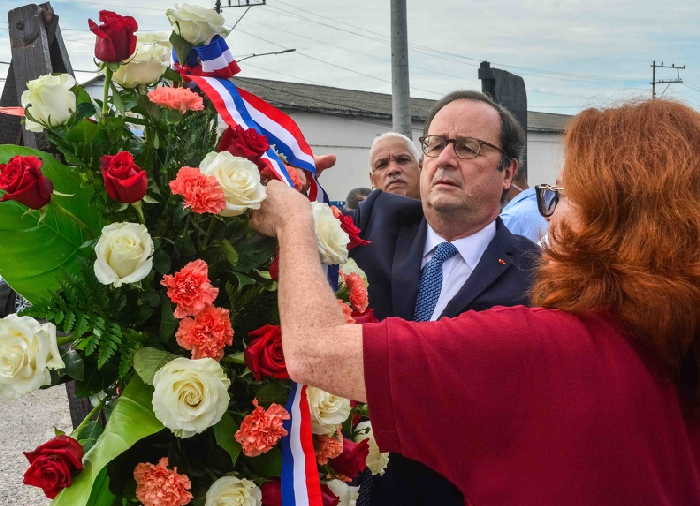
(64, 340)
(69, 214)
(86, 420)
(108, 81)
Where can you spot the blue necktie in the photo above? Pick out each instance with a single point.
(431, 282)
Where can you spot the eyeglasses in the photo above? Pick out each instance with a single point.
(547, 198)
(465, 147)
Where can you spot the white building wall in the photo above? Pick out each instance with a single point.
(349, 139)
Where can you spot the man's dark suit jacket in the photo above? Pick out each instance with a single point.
(397, 228)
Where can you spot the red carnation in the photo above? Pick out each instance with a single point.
(115, 36)
(264, 356)
(190, 289)
(53, 465)
(23, 181)
(353, 460)
(123, 179)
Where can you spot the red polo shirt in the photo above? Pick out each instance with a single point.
(530, 407)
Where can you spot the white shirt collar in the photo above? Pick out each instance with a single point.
(470, 248)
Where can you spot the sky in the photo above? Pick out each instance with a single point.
(573, 54)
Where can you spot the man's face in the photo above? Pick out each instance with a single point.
(394, 169)
(472, 187)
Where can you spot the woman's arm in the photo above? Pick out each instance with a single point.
(320, 349)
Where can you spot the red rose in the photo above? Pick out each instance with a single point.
(271, 493)
(353, 460)
(53, 465)
(247, 143)
(263, 356)
(350, 228)
(124, 180)
(23, 181)
(328, 497)
(115, 36)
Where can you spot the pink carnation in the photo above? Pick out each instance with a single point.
(207, 334)
(328, 447)
(160, 486)
(262, 429)
(190, 288)
(347, 311)
(202, 193)
(179, 99)
(357, 291)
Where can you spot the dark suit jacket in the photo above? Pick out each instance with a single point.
(397, 228)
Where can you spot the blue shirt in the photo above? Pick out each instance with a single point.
(522, 217)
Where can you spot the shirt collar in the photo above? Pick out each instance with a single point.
(470, 248)
(523, 195)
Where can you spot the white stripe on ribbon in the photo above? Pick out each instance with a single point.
(281, 133)
(220, 62)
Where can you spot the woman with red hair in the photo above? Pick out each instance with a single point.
(589, 399)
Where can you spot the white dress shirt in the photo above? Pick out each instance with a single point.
(457, 269)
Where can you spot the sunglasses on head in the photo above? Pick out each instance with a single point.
(547, 198)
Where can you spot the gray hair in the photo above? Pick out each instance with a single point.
(412, 148)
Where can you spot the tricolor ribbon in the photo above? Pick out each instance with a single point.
(300, 480)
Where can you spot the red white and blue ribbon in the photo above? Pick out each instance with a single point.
(214, 59)
(300, 480)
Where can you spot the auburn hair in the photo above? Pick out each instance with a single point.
(632, 173)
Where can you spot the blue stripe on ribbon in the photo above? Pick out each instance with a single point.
(213, 50)
(287, 477)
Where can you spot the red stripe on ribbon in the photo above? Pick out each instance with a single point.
(313, 482)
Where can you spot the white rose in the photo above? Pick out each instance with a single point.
(124, 254)
(238, 177)
(146, 65)
(347, 494)
(197, 25)
(190, 395)
(49, 100)
(332, 239)
(327, 411)
(376, 460)
(233, 491)
(28, 350)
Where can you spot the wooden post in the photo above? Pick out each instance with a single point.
(37, 49)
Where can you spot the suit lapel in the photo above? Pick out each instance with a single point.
(497, 259)
(405, 269)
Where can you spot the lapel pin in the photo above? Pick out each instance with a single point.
(501, 261)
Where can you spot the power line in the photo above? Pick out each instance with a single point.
(654, 82)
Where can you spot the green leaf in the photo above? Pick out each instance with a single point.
(101, 494)
(161, 261)
(168, 323)
(148, 360)
(37, 256)
(116, 98)
(224, 434)
(272, 392)
(229, 252)
(181, 46)
(268, 464)
(84, 110)
(89, 434)
(132, 419)
(243, 280)
(75, 367)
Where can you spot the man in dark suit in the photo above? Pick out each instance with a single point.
(447, 253)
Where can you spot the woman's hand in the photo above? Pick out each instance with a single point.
(282, 207)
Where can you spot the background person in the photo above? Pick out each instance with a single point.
(393, 164)
(591, 399)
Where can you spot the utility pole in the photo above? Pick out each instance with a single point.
(238, 3)
(654, 82)
(400, 91)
